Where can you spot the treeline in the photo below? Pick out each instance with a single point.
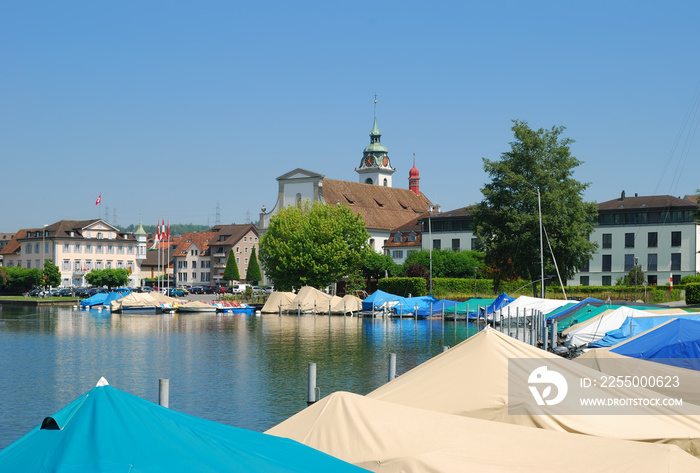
(175, 228)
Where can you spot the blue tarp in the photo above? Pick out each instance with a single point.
(443, 303)
(377, 300)
(675, 343)
(638, 326)
(95, 299)
(501, 301)
(108, 430)
(413, 305)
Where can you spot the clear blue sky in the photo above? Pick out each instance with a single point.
(167, 108)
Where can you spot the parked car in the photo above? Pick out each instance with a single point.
(258, 290)
(177, 292)
(196, 290)
(65, 292)
(269, 289)
(239, 288)
(36, 292)
(209, 289)
(83, 292)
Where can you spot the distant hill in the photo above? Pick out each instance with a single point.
(175, 228)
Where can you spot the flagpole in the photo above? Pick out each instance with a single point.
(167, 238)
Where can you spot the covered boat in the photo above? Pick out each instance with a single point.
(136, 302)
(348, 304)
(196, 306)
(278, 301)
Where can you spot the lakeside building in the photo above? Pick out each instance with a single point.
(77, 247)
(241, 239)
(382, 206)
(192, 258)
(659, 233)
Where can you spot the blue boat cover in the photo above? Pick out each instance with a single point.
(377, 300)
(675, 343)
(108, 430)
(633, 326)
(95, 299)
(443, 304)
(501, 301)
(414, 305)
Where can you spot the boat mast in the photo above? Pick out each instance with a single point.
(539, 207)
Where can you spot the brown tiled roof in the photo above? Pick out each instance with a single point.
(382, 208)
(14, 245)
(412, 225)
(200, 239)
(231, 234)
(693, 198)
(646, 202)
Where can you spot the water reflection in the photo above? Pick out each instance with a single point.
(246, 371)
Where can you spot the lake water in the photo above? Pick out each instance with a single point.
(246, 371)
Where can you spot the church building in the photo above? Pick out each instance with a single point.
(382, 206)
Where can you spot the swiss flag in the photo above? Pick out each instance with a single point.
(99, 199)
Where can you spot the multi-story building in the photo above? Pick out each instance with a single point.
(404, 240)
(451, 230)
(241, 239)
(192, 258)
(77, 247)
(659, 233)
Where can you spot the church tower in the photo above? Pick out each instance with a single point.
(414, 178)
(375, 167)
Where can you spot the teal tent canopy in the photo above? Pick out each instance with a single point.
(111, 431)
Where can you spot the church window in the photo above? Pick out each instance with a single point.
(386, 183)
(369, 181)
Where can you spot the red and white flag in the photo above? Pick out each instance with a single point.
(167, 238)
(99, 200)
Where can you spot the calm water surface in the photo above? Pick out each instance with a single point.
(246, 371)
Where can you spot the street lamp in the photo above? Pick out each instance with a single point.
(43, 255)
(636, 276)
(430, 249)
(475, 268)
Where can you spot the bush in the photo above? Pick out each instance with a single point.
(692, 294)
(404, 286)
(690, 279)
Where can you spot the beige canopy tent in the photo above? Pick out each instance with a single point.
(471, 379)
(310, 299)
(349, 304)
(387, 437)
(605, 361)
(277, 299)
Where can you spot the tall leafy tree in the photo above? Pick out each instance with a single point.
(313, 245)
(52, 275)
(447, 263)
(231, 272)
(507, 222)
(108, 277)
(253, 273)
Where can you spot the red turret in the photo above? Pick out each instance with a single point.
(414, 177)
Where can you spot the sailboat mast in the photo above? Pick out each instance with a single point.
(539, 207)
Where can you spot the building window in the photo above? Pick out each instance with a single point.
(397, 237)
(629, 262)
(46, 247)
(238, 249)
(194, 264)
(653, 239)
(98, 248)
(194, 275)
(184, 264)
(184, 276)
(607, 240)
(66, 247)
(607, 263)
(411, 236)
(29, 263)
(629, 240)
(675, 238)
(455, 244)
(98, 264)
(66, 265)
(245, 250)
(675, 261)
(77, 248)
(583, 280)
(88, 247)
(436, 244)
(88, 265)
(29, 248)
(120, 249)
(607, 280)
(586, 267)
(652, 262)
(676, 279)
(652, 279)
(238, 260)
(397, 254)
(120, 265)
(475, 244)
(129, 250)
(76, 265)
(37, 263)
(109, 264)
(110, 249)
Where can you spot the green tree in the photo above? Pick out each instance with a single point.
(20, 280)
(253, 273)
(108, 277)
(52, 276)
(377, 266)
(507, 222)
(231, 272)
(313, 245)
(447, 263)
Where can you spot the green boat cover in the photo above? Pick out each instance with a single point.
(469, 306)
(589, 311)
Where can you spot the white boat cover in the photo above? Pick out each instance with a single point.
(348, 304)
(531, 303)
(309, 299)
(471, 379)
(605, 361)
(387, 437)
(196, 306)
(596, 327)
(135, 300)
(272, 305)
